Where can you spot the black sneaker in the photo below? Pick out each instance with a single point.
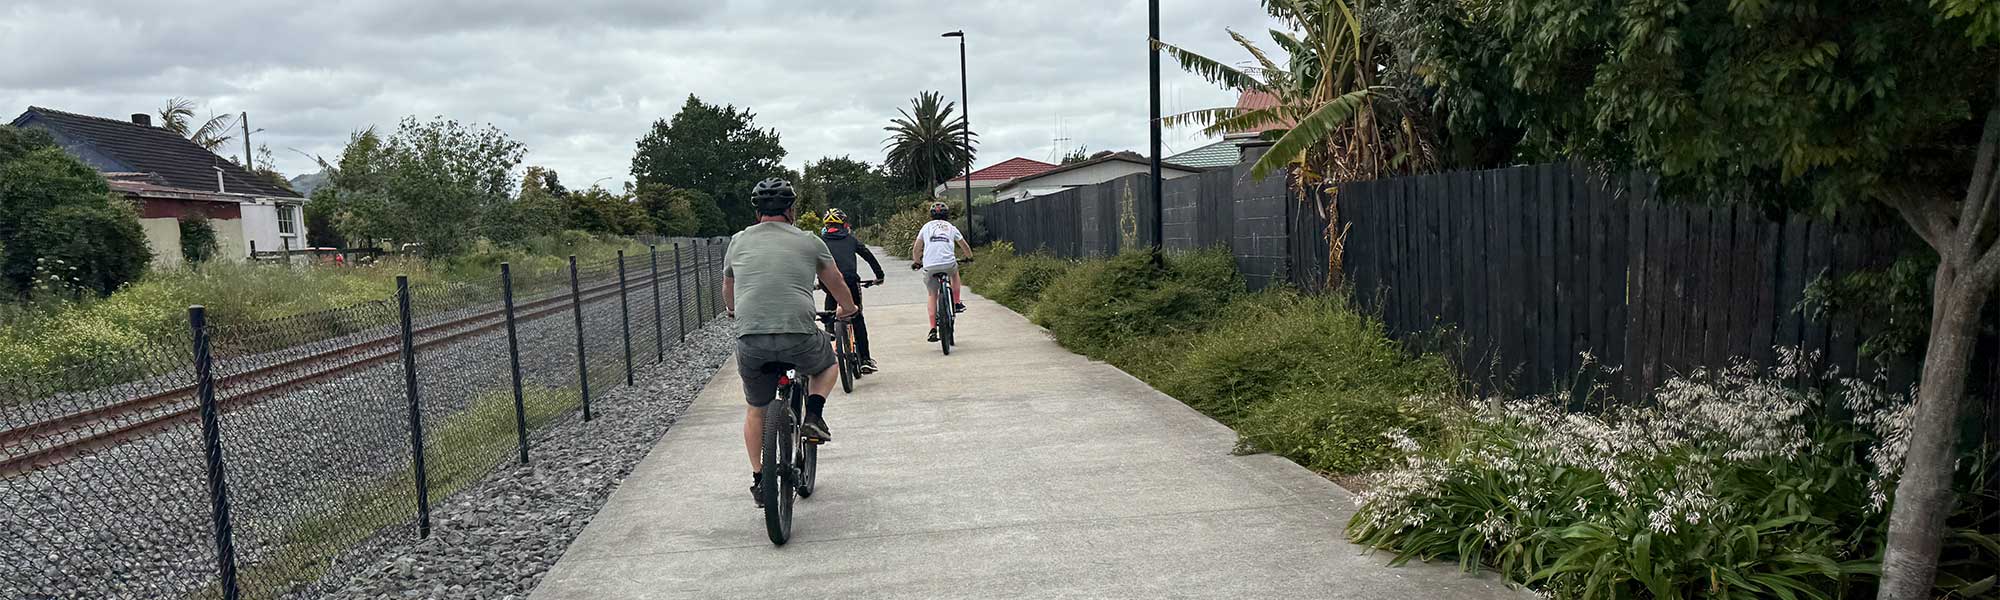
(958, 308)
(816, 428)
(757, 489)
(868, 367)
(934, 334)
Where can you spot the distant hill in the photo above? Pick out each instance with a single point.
(305, 184)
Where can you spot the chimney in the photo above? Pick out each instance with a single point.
(142, 119)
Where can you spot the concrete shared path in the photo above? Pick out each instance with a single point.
(1010, 469)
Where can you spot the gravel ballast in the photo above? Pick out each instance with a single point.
(497, 538)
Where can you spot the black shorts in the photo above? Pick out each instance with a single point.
(810, 353)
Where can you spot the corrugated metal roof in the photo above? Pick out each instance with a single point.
(1219, 154)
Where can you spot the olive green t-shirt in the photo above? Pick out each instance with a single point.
(775, 266)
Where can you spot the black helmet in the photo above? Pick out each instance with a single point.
(772, 196)
(940, 211)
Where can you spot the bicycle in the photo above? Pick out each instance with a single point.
(790, 458)
(947, 314)
(843, 349)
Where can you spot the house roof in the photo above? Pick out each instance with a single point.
(1253, 101)
(1127, 156)
(176, 161)
(1008, 170)
(1219, 154)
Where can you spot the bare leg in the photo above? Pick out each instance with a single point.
(822, 382)
(957, 289)
(753, 437)
(930, 305)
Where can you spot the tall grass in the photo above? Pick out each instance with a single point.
(1299, 376)
(60, 333)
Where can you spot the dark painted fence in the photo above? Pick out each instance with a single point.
(1223, 207)
(1530, 267)
(1535, 266)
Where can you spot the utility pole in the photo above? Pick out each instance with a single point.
(1153, 65)
(249, 163)
(965, 111)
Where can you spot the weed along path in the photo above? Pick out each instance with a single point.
(1010, 469)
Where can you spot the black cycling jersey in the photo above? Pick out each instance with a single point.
(844, 247)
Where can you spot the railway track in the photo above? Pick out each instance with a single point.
(47, 443)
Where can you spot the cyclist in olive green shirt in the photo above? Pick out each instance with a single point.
(767, 285)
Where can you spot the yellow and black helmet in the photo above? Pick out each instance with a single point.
(834, 215)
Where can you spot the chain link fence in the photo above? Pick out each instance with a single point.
(248, 461)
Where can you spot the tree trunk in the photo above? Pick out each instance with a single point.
(1924, 497)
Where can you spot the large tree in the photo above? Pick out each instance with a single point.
(864, 192)
(927, 143)
(1829, 105)
(672, 209)
(431, 183)
(717, 150)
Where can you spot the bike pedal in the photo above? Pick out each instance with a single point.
(815, 441)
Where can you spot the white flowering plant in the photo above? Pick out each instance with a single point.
(1734, 482)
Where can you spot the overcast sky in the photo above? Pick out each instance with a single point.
(579, 81)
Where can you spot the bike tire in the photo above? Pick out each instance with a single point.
(945, 315)
(781, 437)
(809, 469)
(844, 357)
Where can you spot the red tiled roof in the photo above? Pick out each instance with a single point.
(1254, 101)
(1008, 170)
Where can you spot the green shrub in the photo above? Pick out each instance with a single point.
(1732, 484)
(1100, 306)
(1310, 379)
(896, 234)
(198, 243)
(61, 220)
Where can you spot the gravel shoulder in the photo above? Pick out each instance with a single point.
(496, 538)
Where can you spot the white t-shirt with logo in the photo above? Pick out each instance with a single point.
(940, 243)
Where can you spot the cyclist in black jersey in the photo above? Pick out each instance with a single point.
(841, 242)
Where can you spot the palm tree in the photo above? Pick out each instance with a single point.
(179, 114)
(1335, 120)
(931, 143)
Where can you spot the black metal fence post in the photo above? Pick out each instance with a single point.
(625, 317)
(659, 330)
(416, 409)
(582, 364)
(211, 438)
(700, 264)
(680, 294)
(514, 359)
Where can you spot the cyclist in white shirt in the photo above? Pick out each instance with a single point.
(938, 247)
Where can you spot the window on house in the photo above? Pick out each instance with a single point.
(288, 219)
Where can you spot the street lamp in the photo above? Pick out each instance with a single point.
(965, 112)
(1153, 65)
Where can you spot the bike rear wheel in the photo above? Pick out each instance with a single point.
(844, 353)
(945, 314)
(780, 456)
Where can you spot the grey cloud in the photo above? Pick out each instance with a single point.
(579, 82)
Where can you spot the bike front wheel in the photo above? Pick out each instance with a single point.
(781, 440)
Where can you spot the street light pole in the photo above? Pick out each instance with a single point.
(1153, 66)
(965, 112)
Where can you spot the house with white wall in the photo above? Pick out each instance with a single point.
(1106, 166)
(169, 177)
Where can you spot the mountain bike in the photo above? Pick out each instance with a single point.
(790, 458)
(947, 314)
(843, 349)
